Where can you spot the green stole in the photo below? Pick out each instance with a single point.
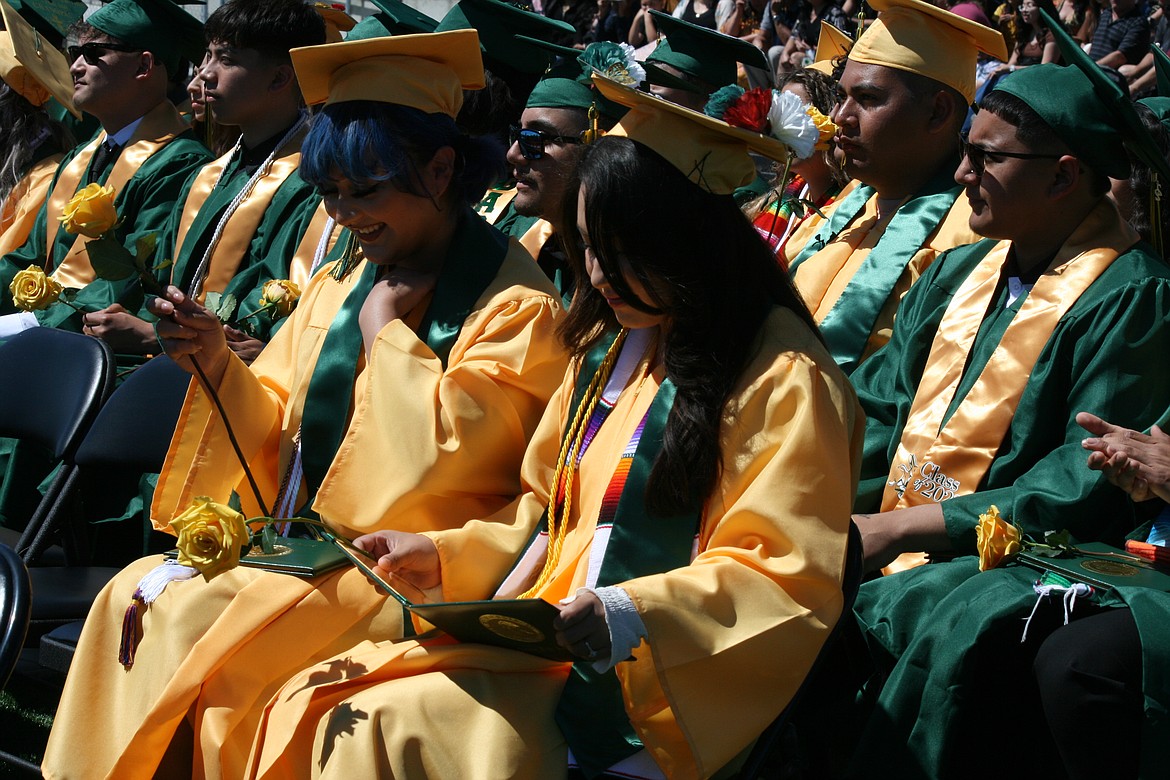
(848, 324)
(473, 261)
(591, 712)
(842, 215)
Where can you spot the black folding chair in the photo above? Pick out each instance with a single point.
(15, 603)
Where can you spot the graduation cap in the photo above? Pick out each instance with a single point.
(392, 18)
(708, 151)
(498, 24)
(831, 44)
(918, 37)
(336, 20)
(428, 71)
(569, 83)
(158, 26)
(1086, 110)
(30, 65)
(51, 18)
(1161, 70)
(700, 53)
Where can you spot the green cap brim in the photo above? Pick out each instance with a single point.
(1162, 70)
(705, 54)
(567, 84)
(51, 18)
(157, 26)
(392, 18)
(498, 23)
(659, 77)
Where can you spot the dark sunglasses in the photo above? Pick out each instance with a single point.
(93, 51)
(532, 141)
(977, 155)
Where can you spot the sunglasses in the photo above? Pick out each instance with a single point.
(93, 51)
(532, 142)
(977, 155)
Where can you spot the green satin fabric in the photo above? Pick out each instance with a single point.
(842, 215)
(849, 322)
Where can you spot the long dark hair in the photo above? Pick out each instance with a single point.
(704, 267)
(27, 134)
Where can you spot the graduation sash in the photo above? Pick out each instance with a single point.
(243, 223)
(591, 712)
(20, 208)
(160, 126)
(300, 268)
(849, 320)
(938, 457)
(494, 204)
(476, 254)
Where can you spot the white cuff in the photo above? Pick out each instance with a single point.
(11, 324)
(626, 629)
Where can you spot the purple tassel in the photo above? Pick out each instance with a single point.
(130, 631)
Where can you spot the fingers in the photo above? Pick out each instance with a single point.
(582, 628)
(1094, 424)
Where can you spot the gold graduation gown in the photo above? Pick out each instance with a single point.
(730, 637)
(19, 210)
(427, 447)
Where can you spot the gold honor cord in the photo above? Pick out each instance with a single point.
(558, 522)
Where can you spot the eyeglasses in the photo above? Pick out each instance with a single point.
(532, 141)
(977, 155)
(93, 51)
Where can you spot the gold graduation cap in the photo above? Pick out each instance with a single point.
(30, 65)
(921, 38)
(428, 71)
(831, 44)
(709, 151)
(337, 21)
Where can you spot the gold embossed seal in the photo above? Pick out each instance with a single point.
(511, 628)
(1111, 568)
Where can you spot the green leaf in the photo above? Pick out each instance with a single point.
(211, 300)
(144, 250)
(164, 264)
(268, 539)
(227, 307)
(110, 260)
(70, 293)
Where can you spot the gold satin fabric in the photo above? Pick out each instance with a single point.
(426, 448)
(534, 238)
(160, 125)
(19, 210)
(808, 227)
(765, 585)
(823, 277)
(301, 265)
(241, 226)
(935, 462)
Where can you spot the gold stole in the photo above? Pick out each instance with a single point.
(808, 227)
(840, 258)
(24, 202)
(534, 238)
(160, 125)
(242, 224)
(933, 463)
(301, 266)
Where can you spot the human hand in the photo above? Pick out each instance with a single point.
(1137, 463)
(582, 629)
(186, 329)
(413, 557)
(879, 542)
(392, 297)
(246, 348)
(120, 329)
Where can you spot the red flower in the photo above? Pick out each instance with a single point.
(751, 110)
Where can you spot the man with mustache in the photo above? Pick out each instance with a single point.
(905, 91)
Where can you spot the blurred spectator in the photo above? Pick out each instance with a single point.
(700, 12)
(644, 29)
(613, 21)
(579, 13)
(744, 19)
(802, 44)
(1122, 36)
(1142, 77)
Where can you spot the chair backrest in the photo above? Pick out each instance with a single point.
(133, 429)
(15, 604)
(52, 383)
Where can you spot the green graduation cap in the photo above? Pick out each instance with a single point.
(1087, 110)
(51, 18)
(392, 18)
(569, 83)
(1162, 70)
(158, 26)
(700, 53)
(498, 24)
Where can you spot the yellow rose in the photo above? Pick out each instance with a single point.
(825, 127)
(282, 294)
(210, 536)
(996, 539)
(91, 212)
(32, 290)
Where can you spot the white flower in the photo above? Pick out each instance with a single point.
(790, 123)
(635, 70)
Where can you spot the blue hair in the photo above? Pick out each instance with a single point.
(366, 141)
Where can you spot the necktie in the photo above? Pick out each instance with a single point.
(103, 159)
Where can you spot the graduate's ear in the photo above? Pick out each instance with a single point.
(146, 63)
(283, 77)
(945, 111)
(439, 171)
(1067, 174)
